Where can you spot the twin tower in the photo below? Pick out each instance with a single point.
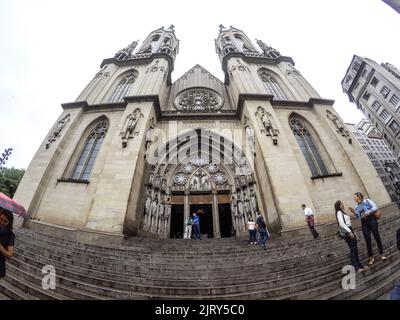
(136, 154)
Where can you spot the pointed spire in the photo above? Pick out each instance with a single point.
(126, 53)
(171, 27)
(268, 50)
(221, 27)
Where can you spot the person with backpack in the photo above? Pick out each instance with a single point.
(364, 210)
(262, 229)
(188, 228)
(344, 223)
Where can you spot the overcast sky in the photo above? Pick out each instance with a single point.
(50, 50)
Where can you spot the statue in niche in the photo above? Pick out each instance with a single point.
(234, 208)
(129, 126)
(167, 211)
(149, 134)
(253, 200)
(338, 124)
(56, 132)
(151, 178)
(161, 210)
(147, 206)
(154, 207)
(240, 207)
(266, 119)
(247, 209)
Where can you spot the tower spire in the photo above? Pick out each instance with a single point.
(268, 50)
(127, 52)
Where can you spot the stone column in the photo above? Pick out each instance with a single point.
(186, 209)
(216, 227)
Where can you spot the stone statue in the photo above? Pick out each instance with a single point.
(338, 124)
(56, 132)
(253, 200)
(154, 207)
(129, 127)
(148, 205)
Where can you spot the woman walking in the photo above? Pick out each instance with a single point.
(344, 222)
(365, 210)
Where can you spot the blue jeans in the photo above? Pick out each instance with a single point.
(252, 234)
(196, 228)
(370, 224)
(264, 236)
(355, 260)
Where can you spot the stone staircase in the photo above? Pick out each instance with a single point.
(143, 268)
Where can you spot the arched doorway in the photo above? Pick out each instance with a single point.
(200, 170)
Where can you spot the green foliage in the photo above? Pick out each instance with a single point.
(9, 180)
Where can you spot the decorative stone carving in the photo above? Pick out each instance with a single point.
(154, 207)
(180, 179)
(292, 70)
(129, 126)
(339, 125)
(149, 134)
(200, 181)
(56, 132)
(200, 162)
(268, 50)
(249, 135)
(212, 167)
(219, 178)
(198, 100)
(187, 168)
(269, 127)
(148, 205)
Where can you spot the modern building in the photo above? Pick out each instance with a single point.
(136, 153)
(375, 89)
(380, 154)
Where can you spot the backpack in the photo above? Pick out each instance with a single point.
(189, 221)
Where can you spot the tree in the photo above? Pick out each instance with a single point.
(9, 180)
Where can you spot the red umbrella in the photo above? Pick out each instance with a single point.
(11, 205)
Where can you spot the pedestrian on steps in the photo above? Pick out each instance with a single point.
(309, 218)
(344, 222)
(262, 229)
(7, 239)
(364, 210)
(196, 226)
(188, 228)
(251, 225)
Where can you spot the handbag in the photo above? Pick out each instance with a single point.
(377, 214)
(341, 232)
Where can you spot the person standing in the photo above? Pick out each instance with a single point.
(309, 218)
(7, 239)
(196, 226)
(262, 229)
(251, 225)
(344, 222)
(364, 210)
(188, 228)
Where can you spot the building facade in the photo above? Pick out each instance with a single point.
(380, 154)
(136, 153)
(375, 89)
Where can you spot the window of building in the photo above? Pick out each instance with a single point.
(376, 105)
(273, 87)
(356, 86)
(366, 95)
(374, 81)
(308, 148)
(394, 125)
(384, 115)
(394, 100)
(356, 66)
(86, 160)
(123, 88)
(385, 91)
(364, 73)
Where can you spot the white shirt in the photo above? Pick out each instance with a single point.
(308, 212)
(346, 223)
(251, 225)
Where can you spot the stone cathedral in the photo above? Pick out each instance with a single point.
(136, 153)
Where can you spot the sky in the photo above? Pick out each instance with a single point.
(50, 50)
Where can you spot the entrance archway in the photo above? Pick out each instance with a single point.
(200, 169)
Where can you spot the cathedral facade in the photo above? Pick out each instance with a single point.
(136, 154)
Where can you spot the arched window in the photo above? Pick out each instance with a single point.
(273, 86)
(308, 147)
(86, 160)
(123, 88)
